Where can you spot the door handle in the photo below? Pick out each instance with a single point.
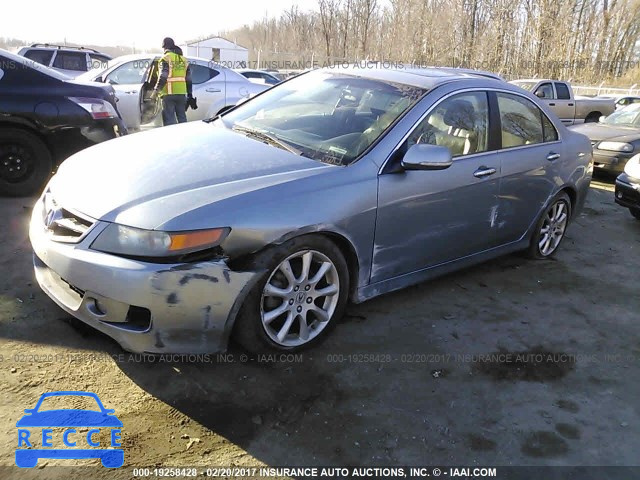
(553, 156)
(212, 90)
(570, 104)
(484, 172)
(131, 92)
(552, 104)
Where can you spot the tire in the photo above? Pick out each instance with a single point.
(635, 212)
(25, 163)
(550, 228)
(280, 298)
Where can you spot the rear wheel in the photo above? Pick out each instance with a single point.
(299, 299)
(551, 227)
(25, 162)
(635, 212)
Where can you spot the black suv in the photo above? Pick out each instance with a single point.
(45, 117)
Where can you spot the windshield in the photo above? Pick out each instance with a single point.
(528, 86)
(327, 116)
(629, 116)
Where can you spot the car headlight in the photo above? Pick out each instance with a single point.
(632, 168)
(136, 242)
(615, 146)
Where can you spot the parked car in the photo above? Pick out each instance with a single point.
(46, 117)
(615, 139)
(259, 76)
(622, 101)
(215, 87)
(627, 191)
(72, 61)
(570, 109)
(337, 185)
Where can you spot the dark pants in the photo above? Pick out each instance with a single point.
(174, 109)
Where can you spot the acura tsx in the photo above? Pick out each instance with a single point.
(338, 185)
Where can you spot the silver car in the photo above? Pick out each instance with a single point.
(215, 87)
(336, 186)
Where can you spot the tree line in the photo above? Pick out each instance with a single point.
(579, 40)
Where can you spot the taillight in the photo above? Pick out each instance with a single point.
(97, 107)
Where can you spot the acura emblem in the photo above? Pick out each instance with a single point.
(52, 216)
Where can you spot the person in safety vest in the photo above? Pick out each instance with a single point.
(174, 84)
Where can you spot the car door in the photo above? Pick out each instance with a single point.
(565, 106)
(127, 80)
(426, 218)
(209, 89)
(530, 156)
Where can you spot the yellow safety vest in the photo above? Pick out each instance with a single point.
(177, 79)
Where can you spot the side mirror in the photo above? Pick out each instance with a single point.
(99, 79)
(601, 119)
(539, 94)
(424, 156)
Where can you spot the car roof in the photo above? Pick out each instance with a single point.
(417, 77)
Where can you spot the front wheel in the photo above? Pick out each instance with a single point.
(635, 212)
(551, 227)
(299, 299)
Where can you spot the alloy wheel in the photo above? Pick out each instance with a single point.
(299, 298)
(553, 228)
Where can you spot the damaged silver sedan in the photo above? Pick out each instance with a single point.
(335, 186)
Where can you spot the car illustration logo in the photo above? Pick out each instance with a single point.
(64, 445)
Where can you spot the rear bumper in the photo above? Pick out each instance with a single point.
(627, 191)
(145, 307)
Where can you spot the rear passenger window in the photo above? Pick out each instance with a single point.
(459, 123)
(39, 56)
(76, 61)
(201, 74)
(522, 122)
(563, 91)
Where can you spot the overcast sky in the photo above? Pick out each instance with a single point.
(126, 22)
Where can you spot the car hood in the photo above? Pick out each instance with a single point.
(146, 179)
(599, 131)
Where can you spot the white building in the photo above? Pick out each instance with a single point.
(220, 50)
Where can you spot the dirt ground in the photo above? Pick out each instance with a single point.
(405, 379)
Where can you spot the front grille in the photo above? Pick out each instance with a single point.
(61, 224)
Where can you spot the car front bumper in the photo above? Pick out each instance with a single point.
(145, 307)
(610, 161)
(627, 191)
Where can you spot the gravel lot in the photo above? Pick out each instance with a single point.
(405, 379)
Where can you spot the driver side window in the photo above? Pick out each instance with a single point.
(544, 91)
(130, 73)
(459, 123)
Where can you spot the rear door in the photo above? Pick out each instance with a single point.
(565, 106)
(209, 88)
(530, 156)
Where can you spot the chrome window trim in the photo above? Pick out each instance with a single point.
(466, 90)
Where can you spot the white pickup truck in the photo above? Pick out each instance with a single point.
(559, 96)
